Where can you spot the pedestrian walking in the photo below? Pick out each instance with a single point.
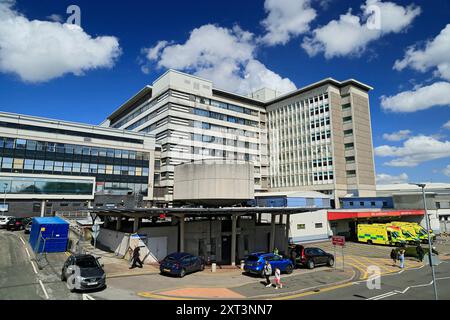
(394, 256)
(136, 258)
(294, 257)
(401, 257)
(267, 271)
(278, 283)
(420, 252)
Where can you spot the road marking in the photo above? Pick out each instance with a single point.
(43, 289)
(308, 293)
(382, 296)
(87, 297)
(67, 254)
(34, 268)
(22, 240)
(363, 267)
(28, 253)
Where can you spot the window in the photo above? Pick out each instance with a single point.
(373, 204)
(350, 203)
(385, 204)
(18, 164)
(349, 146)
(301, 226)
(438, 205)
(361, 204)
(318, 225)
(348, 133)
(347, 119)
(346, 106)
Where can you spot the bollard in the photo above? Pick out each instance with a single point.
(242, 264)
(213, 267)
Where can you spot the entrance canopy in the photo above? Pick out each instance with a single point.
(343, 215)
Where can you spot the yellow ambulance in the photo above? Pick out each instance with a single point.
(380, 234)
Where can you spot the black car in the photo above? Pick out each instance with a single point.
(311, 257)
(15, 224)
(83, 272)
(181, 263)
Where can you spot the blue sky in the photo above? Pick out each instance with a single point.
(290, 42)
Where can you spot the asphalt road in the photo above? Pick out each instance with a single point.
(408, 285)
(20, 275)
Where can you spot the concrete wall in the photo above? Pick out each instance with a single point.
(115, 241)
(215, 180)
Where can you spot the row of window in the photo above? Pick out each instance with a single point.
(215, 127)
(45, 186)
(224, 117)
(228, 142)
(302, 226)
(226, 106)
(136, 188)
(320, 122)
(319, 110)
(71, 149)
(320, 176)
(321, 136)
(51, 166)
(322, 162)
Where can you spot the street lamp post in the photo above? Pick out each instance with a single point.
(430, 252)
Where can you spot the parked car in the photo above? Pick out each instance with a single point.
(181, 263)
(4, 220)
(88, 273)
(15, 224)
(28, 227)
(311, 257)
(254, 263)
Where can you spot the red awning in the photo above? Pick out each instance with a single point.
(341, 215)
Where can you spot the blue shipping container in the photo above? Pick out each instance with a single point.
(52, 231)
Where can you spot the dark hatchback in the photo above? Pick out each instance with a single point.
(16, 224)
(83, 272)
(311, 257)
(181, 263)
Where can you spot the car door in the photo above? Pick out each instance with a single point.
(69, 267)
(186, 262)
(321, 256)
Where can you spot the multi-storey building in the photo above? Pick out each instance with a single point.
(191, 121)
(315, 138)
(49, 165)
(320, 139)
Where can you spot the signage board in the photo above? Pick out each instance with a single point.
(338, 241)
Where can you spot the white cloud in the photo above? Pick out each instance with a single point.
(384, 178)
(420, 98)
(55, 17)
(397, 136)
(225, 56)
(286, 19)
(446, 125)
(415, 151)
(39, 51)
(446, 171)
(351, 34)
(435, 55)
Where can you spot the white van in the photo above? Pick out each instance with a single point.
(4, 220)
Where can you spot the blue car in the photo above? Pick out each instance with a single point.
(254, 263)
(181, 263)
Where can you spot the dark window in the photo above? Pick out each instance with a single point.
(372, 204)
(361, 203)
(438, 205)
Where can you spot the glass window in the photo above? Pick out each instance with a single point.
(69, 149)
(301, 226)
(21, 144)
(124, 170)
(78, 150)
(31, 145)
(60, 147)
(109, 169)
(117, 170)
(86, 151)
(94, 152)
(101, 169)
(85, 167)
(29, 164)
(67, 166)
(18, 164)
(110, 153)
(118, 153)
(58, 166)
(40, 146)
(125, 154)
(145, 172)
(102, 152)
(76, 167)
(39, 165)
(48, 166)
(132, 155)
(138, 171)
(93, 168)
(131, 171)
(50, 147)
(9, 143)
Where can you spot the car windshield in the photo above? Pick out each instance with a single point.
(406, 233)
(89, 262)
(394, 234)
(252, 258)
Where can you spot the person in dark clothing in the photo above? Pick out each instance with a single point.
(136, 258)
(294, 257)
(394, 256)
(420, 252)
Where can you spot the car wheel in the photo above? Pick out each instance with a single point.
(310, 264)
(202, 267)
(63, 278)
(330, 262)
(369, 242)
(182, 273)
(289, 269)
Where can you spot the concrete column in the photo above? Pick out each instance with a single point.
(233, 239)
(43, 208)
(136, 224)
(119, 224)
(272, 232)
(288, 226)
(182, 233)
